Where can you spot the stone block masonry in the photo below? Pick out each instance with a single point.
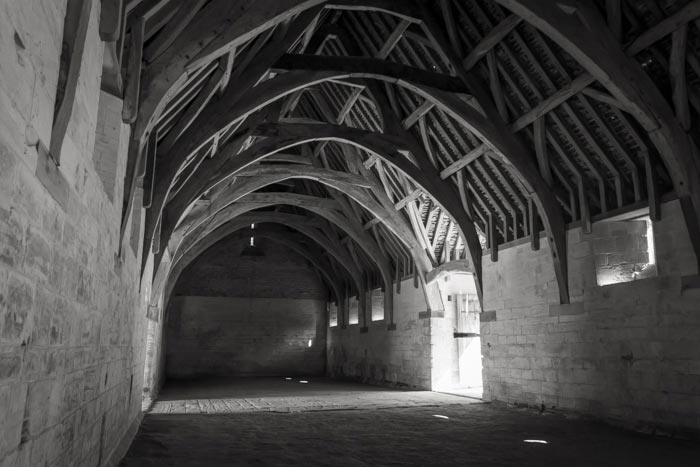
(627, 352)
(71, 319)
(227, 336)
(239, 315)
(397, 358)
(420, 353)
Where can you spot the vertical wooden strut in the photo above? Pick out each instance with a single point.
(133, 72)
(110, 20)
(534, 225)
(677, 71)
(493, 238)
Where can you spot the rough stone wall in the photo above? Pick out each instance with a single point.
(71, 324)
(236, 315)
(627, 352)
(401, 357)
(621, 251)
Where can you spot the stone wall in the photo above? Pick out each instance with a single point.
(628, 352)
(71, 323)
(234, 315)
(401, 357)
(224, 336)
(420, 353)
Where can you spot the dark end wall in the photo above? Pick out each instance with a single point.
(234, 315)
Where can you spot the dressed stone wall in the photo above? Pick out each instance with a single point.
(71, 321)
(628, 352)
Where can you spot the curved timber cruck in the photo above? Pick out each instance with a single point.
(381, 139)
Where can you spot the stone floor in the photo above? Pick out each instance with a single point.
(280, 422)
(288, 395)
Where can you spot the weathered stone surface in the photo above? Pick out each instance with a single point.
(57, 268)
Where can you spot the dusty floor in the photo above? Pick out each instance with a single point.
(278, 422)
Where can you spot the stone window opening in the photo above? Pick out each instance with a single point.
(333, 315)
(624, 250)
(354, 311)
(377, 304)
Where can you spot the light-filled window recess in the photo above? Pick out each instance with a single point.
(377, 305)
(624, 250)
(332, 315)
(354, 311)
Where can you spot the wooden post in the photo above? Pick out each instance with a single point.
(76, 48)
(133, 72)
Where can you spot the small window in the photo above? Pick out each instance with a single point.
(624, 250)
(332, 315)
(354, 315)
(377, 305)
